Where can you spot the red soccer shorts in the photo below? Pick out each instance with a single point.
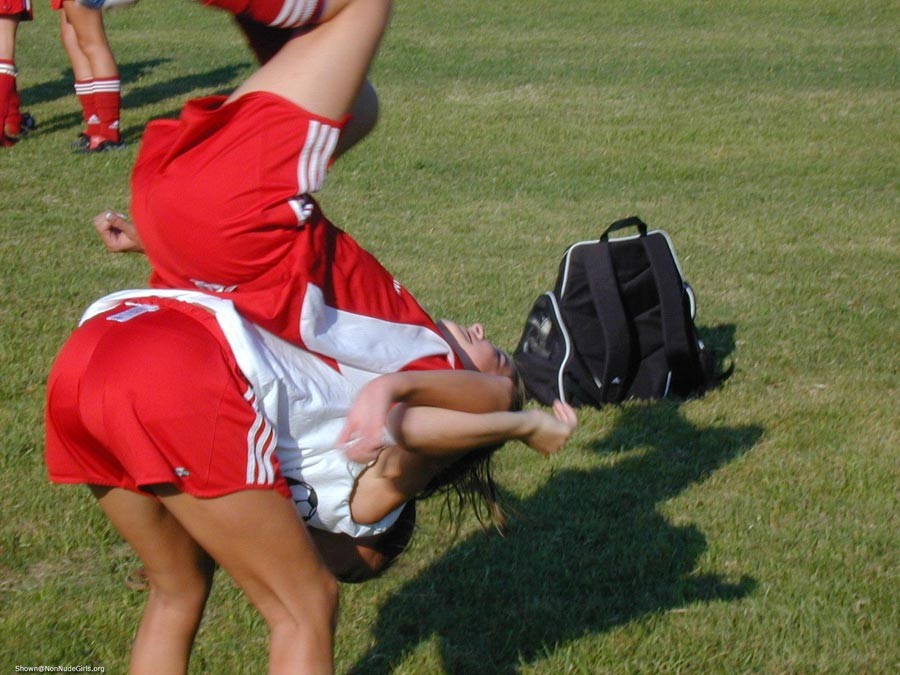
(279, 13)
(17, 9)
(150, 393)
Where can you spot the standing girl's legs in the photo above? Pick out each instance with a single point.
(257, 538)
(81, 69)
(97, 82)
(179, 574)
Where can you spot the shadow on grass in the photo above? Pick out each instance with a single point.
(135, 96)
(61, 88)
(180, 87)
(588, 552)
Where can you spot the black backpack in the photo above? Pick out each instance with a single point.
(618, 325)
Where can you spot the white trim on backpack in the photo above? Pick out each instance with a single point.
(687, 288)
(565, 334)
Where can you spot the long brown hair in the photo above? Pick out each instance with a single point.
(470, 482)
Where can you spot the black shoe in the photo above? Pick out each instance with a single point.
(28, 124)
(81, 142)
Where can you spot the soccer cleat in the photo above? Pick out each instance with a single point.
(101, 144)
(81, 141)
(27, 124)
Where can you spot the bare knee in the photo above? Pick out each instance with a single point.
(307, 618)
(185, 592)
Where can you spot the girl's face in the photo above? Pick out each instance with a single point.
(476, 351)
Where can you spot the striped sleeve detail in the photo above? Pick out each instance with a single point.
(295, 13)
(321, 140)
(261, 442)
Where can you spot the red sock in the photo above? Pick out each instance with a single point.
(107, 103)
(7, 87)
(13, 114)
(84, 91)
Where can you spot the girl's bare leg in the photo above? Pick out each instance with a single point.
(87, 25)
(8, 28)
(257, 538)
(179, 574)
(323, 69)
(81, 67)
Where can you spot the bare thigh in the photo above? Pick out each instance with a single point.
(323, 69)
(179, 573)
(256, 536)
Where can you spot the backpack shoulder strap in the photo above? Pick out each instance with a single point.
(669, 285)
(611, 313)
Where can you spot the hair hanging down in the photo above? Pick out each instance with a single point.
(469, 481)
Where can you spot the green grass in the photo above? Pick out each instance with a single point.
(754, 530)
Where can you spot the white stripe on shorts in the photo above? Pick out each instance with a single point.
(260, 447)
(295, 13)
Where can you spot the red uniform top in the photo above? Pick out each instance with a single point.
(220, 200)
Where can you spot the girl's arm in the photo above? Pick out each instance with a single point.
(461, 390)
(436, 432)
(429, 439)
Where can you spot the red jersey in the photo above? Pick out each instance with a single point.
(221, 202)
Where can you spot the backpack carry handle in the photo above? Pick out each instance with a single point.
(633, 221)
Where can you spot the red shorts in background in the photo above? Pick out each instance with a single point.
(149, 393)
(17, 9)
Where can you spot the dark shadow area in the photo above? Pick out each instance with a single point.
(721, 341)
(588, 552)
(179, 87)
(57, 89)
(135, 96)
(719, 338)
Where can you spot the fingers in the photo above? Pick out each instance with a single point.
(360, 444)
(117, 233)
(363, 449)
(565, 413)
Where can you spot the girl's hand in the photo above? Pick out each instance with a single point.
(117, 233)
(363, 435)
(551, 432)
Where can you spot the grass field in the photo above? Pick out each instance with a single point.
(752, 531)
